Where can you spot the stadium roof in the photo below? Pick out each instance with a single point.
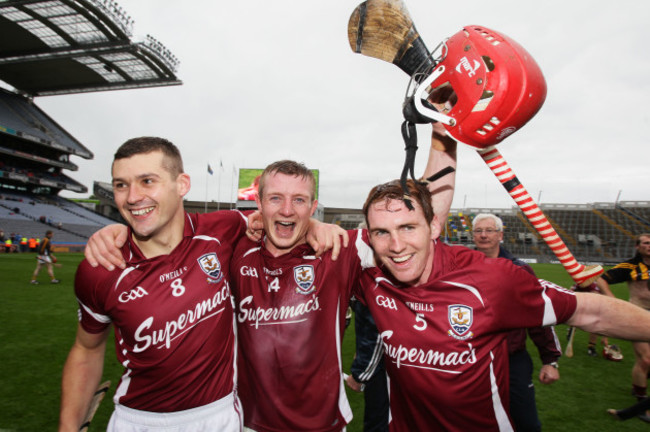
(50, 47)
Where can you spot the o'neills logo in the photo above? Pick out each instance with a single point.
(164, 334)
(420, 307)
(427, 359)
(257, 316)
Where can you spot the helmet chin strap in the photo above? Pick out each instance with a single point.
(410, 136)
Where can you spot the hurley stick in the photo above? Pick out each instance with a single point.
(94, 404)
(569, 348)
(581, 275)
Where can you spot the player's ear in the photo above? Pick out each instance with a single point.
(258, 200)
(314, 206)
(435, 228)
(183, 183)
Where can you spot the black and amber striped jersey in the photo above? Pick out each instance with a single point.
(631, 270)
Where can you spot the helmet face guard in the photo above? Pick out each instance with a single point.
(496, 86)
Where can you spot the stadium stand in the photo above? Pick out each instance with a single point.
(32, 216)
(52, 47)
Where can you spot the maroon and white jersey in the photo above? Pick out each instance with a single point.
(445, 340)
(290, 314)
(172, 314)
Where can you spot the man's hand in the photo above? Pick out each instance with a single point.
(255, 226)
(354, 384)
(103, 247)
(548, 374)
(441, 141)
(323, 237)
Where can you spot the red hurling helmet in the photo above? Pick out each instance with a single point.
(497, 86)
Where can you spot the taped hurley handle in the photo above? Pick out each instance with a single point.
(581, 275)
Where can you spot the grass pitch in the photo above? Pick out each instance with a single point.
(38, 324)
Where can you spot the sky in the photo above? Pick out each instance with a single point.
(268, 80)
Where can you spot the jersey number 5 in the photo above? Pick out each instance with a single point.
(421, 323)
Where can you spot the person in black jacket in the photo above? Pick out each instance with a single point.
(367, 373)
(488, 234)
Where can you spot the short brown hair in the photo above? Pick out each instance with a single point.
(143, 145)
(290, 168)
(638, 238)
(393, 191)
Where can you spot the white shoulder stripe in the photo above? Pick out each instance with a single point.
(549, 312)
(206, 238)
(364, 251)
(243, 216)
(125, 272)
(469, 288)
(98, 317)
(252, 250)
(189, 221)
(381, 279)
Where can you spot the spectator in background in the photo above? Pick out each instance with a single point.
(32, 244)
(488, 235)
(46, 257)
(8, 245)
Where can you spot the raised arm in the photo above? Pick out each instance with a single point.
(441, 155)
(81, 375)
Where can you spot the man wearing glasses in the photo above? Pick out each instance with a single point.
(488, 235)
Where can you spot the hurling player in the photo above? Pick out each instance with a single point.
(443, 315)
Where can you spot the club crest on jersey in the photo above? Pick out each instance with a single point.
(461, 318)
(304, 277)
(211, 266)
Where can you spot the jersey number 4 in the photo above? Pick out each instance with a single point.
(274, 285)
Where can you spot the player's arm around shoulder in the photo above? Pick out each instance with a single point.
(323, 237)
(103, 247)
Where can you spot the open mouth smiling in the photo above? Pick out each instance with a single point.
(401, 259)
(142, 212)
